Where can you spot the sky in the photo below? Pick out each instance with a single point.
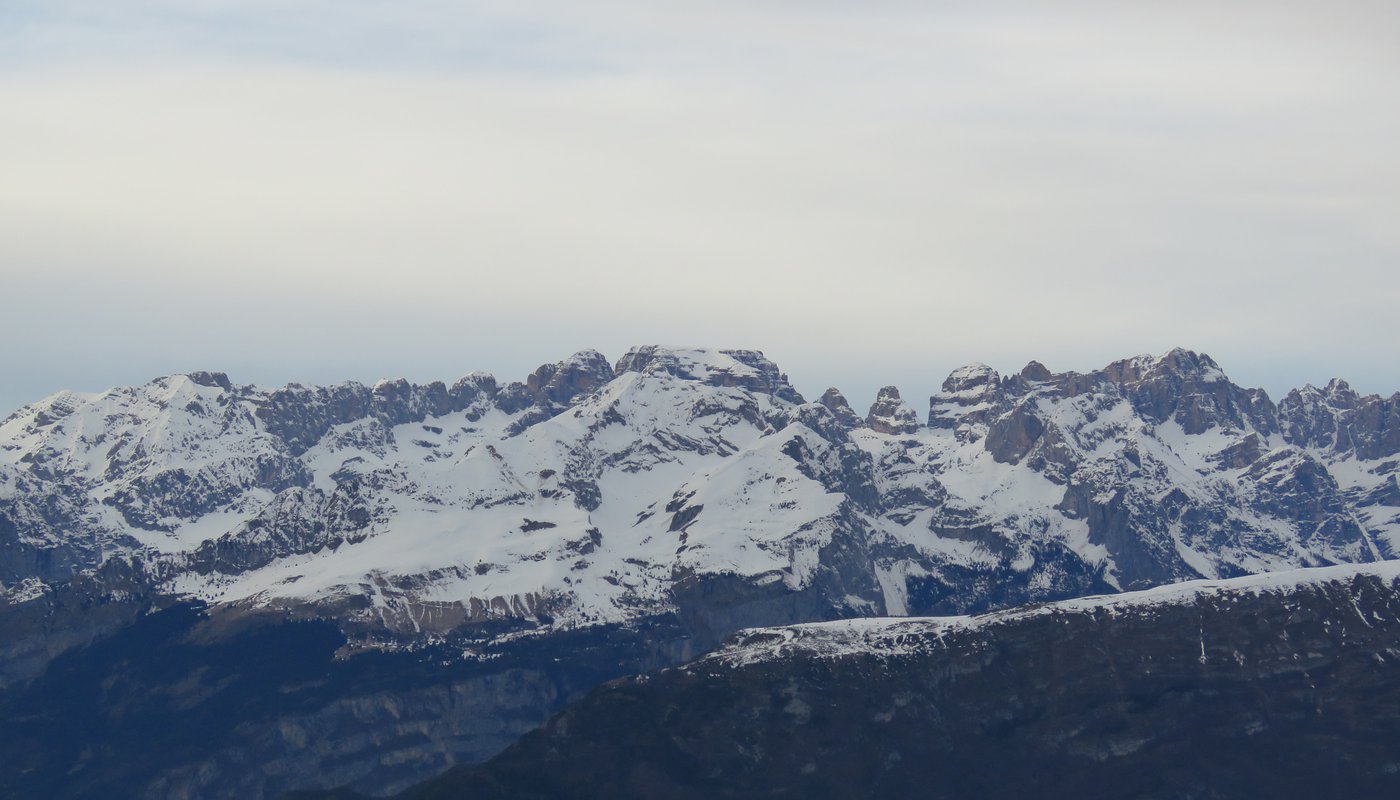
(872, 193)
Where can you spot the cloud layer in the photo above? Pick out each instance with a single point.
(306, 191)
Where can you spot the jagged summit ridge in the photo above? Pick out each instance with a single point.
(595, 492)
(748, 369)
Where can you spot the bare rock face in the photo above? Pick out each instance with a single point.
(1036, 372)
(301, 416)
(553, 388)
(212, 379)
(835, 402)
(1191, 389)
(1339, 420)
(1242, 453)
(298, 521)
(889, 414)
(1295, 483)
(1119, 441)
(1013, 434)
(558, 385)
(971, 395)
(744, 369)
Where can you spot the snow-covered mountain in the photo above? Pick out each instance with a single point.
(685, 488)
(592, 493)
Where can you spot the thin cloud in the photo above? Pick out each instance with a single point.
(291, 192)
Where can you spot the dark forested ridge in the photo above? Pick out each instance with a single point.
(1235, 693)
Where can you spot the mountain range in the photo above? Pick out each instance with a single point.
(421, 574)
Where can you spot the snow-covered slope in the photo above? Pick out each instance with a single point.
(689, 480)
(892, 636)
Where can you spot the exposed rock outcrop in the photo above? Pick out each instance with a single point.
(1338, 420)
(744, 369)
(890, 414)
(836, 403)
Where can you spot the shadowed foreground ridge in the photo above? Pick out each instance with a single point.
(1239, 689)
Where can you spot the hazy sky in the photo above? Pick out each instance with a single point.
(870, 192)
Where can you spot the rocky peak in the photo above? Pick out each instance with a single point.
(1307, 419)
(1191, 389)
(890, 414)
(975, 378)
(1339, 394)
(473, 393)
(1036, 371)
(770, 379)
(836, 403)
(1179, 363)
(1179, 359)
(563, 383)
(551, 388)
(211, 379)
(970, 395)
(744, 369)
(1336, 418)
